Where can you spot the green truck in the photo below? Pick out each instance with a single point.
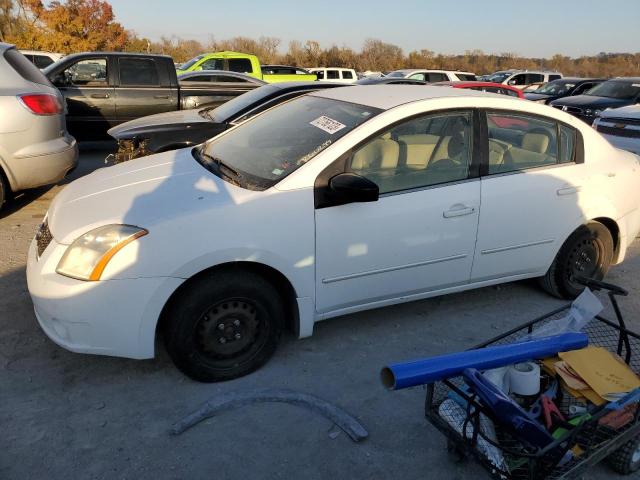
(248, 64)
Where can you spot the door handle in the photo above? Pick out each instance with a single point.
(99, 95)
(458, 211)
(567, 191)
(166, 97)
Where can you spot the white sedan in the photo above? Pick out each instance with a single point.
(340, 201)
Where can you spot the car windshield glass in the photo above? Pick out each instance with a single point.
(264, 150)
(624, 90)
(396, 74)
(557, 87)
(498, 77)
(190, 63)
(238, 105)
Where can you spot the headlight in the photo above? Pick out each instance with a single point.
(87, 257)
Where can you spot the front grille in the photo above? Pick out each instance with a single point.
(43, 238)
(618, 132)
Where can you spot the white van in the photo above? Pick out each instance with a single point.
(341, 75)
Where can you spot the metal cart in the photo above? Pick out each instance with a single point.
(595, 437)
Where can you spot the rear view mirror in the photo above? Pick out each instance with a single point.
(351, 188)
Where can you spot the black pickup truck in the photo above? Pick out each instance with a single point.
(104, 89)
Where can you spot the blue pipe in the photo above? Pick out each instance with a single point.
(429, 370)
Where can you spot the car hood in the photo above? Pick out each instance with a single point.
(156, 122)
(142, 192)
(631, 111)
(591, 101)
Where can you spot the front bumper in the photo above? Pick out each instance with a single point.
(43, 164)
(110, 317)
(624, 143)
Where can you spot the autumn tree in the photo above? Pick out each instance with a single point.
(68, 26)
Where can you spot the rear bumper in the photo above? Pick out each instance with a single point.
(42, 163)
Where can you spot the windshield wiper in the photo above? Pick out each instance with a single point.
(220, 164)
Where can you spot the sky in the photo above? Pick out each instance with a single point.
(535, 28)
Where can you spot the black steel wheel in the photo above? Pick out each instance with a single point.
(626, 459)
(223, 326)
(588, 252)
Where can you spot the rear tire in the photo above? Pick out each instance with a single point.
(626, 459)
(588, 252)
(224, 326)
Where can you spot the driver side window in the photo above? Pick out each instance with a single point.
(421, 152)
(87, 73)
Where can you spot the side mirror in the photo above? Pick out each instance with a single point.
(352, 188)
(512, 82)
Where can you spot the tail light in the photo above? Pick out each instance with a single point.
(41, 103)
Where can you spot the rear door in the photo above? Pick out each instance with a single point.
(531, 194)
(87, 86)
(143, 88)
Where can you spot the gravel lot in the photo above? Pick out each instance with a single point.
(64, 415)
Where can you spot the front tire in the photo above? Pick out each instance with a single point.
(626, 460)
(224, 326)
(588, 252)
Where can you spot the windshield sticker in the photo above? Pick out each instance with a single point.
(327, 124)
(313, 152)
(277, 171)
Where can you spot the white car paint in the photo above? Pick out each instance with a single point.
(340, 259)
(619, 125)
(442, 75)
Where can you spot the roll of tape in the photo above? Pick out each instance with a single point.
(524, 378)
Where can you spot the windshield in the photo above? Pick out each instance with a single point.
(557, 87)
(190, 63)
(398, 74)
(624, 90)
(498, 77)
(264, 150)
(238, 105)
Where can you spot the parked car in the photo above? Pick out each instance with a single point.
(485, 87)
(523, 78)
(614, 93)
(41, 59)
(565, 87)
(248, 64)
(432, 76)
(104, 89)
(312, 210)
(220, 86)
(334, 74)
(389, 81)
(35, 148)
(621, 126)
(172, 130)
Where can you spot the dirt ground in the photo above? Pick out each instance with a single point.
(71, 416)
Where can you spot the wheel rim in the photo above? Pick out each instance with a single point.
(229, 329)
(635, 458)
(585, 260)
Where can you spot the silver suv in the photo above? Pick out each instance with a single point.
(35, 148)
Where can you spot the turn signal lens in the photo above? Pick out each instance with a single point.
(41, 104)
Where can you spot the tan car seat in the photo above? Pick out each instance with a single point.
(381, 153)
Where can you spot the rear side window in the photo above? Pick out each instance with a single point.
(347, 75)
(228, 79)
(554, 77)
(333, 74)
(199, 78)
(534, 78)
(466, 77)
(437, 77)
(567, 144)
(241, 65)
(138, 72)
(25, 68)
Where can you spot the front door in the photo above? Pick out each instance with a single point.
(89, 97)
(531, 195)
(420, 234)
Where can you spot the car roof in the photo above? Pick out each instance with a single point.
(386, 97)
(114, 54)
(431, 70)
